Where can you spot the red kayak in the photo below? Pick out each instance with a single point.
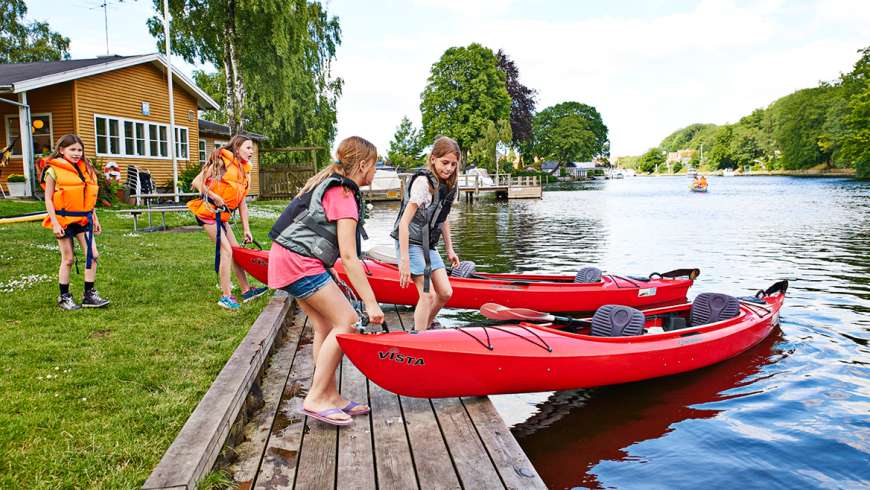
(553, 293)
(518, 358)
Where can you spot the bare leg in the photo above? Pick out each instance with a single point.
(339, 317)
(240, 273)
(226, 259)
(66, 260)
(90, 274)
(443, 292)
(423, 310)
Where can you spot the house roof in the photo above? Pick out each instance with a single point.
(21, 77)
(209, 127)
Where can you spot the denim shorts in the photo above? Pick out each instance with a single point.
(415, 257)
(308, 285)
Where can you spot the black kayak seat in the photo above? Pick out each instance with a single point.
(588, 275)
(617, 321)
(713, 307)
(465, 269)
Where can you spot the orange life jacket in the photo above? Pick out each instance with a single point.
(232, 187)
(75, 190)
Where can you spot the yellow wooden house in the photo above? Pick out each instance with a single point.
(119, 105)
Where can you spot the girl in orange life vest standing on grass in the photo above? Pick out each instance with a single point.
(223, 183)
(325, 222)
(71, 189)
(422, 220)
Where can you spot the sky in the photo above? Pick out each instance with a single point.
(648, 67)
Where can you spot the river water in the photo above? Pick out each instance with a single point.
(793, 412)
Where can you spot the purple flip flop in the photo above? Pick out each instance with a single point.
(323, 416)
(348, 409)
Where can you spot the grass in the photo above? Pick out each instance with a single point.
(93, 398)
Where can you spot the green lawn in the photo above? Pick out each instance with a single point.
(92, 398)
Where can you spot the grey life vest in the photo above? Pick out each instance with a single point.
(304, 229)
(425, 228)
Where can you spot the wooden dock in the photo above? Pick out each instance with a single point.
(404, 442)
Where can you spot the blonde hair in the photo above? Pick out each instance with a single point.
(444, 145)
(69, 140)
(350, 152)
(214, 168)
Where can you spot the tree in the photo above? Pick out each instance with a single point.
(650, 160)
(276, 56)
(406, 149)
(684, 138)
(522, 100)
(855, 141)
(465, 91)
(799, 121)
(568, 132)
(24, 43)
(483, 151)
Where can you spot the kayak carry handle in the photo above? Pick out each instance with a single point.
(777, 287)
(690, 273)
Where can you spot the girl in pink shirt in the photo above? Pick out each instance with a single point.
(308, 240)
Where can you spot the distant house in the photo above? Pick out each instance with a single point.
(213, 135)
(119, 105)
(571, 169)
(682, 157)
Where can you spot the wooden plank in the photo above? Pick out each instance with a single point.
(472, 462)
(392, 452)
(317, 455)
(356, 466)
(510, 461)
(431, 456)
(250, 452)
(278, 469)
(195, 449)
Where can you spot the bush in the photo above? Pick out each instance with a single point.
(185, 178)
(15, 178)
(677, 167)
(108, 195)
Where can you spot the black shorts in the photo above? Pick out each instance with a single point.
(74, 229)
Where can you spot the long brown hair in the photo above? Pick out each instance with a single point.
(214, 168)
(69, 140)
(350, 152)
(444, 145)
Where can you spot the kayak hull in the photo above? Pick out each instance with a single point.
(550, 293)
(478, 361)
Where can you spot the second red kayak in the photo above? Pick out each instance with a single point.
(551, 293)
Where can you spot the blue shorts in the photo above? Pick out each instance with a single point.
(308, 285)
(415, 256)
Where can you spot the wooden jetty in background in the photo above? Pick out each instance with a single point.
(247, 425)
(470, 187)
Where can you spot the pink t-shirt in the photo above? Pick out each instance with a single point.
(286, 267)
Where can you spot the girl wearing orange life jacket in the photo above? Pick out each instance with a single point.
(70, 183)
(223, 183)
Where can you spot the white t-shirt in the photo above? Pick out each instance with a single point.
(420, 193)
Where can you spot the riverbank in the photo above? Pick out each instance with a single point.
(92, 398)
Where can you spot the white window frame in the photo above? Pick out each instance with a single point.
(182, 143)
(122, 138)
(9, 125)
(202, 155)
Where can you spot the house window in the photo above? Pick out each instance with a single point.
(202, 151)
(42, 136)
(129, 137)
(218, 144)
(181, 143)
(134, 138)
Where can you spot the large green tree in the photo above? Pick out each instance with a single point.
(568, 132)
(855, 142)
(406, 148)
(274, 57)
(26, 42)
(464, 93)
(483, 151)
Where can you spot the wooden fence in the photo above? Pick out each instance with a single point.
(280, 180)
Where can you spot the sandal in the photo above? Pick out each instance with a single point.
(348, 409)
(323, 416)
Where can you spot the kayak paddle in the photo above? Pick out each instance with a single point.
(495, 311)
